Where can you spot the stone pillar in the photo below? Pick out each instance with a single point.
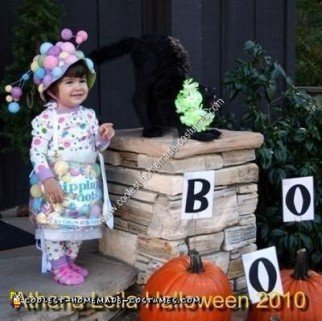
(146, 189)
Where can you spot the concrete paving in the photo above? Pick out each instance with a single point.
(20, 271)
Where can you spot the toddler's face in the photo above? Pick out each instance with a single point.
(72, 91)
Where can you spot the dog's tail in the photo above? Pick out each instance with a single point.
(113, 51)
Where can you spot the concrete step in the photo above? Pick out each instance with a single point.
(20, 271)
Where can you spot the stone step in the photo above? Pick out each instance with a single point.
(108, 276)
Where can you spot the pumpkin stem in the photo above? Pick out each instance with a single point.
(196, 265)
(301, 266)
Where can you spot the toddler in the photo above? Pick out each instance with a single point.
(68, 187)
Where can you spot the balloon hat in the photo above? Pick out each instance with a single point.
(50, 65)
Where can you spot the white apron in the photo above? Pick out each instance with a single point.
(86, 202)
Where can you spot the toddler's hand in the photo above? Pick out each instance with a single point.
(53, 190)
(106, 131)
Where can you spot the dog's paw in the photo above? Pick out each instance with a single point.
(206, 136)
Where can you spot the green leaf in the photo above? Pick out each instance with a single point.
(278, 233)
(249, 45)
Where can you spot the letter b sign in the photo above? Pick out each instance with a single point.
(198, 190)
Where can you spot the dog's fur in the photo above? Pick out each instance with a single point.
(161, 65)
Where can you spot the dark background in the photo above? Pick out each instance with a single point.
(213, 32)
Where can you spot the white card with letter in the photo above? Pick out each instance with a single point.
(197, 195)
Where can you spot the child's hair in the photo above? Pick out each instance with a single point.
(77, 70)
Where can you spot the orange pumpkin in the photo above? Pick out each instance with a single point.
(302, 300)
(182, 277)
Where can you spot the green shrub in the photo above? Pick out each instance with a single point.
(38, 21)
(309, 42)
(291, 122)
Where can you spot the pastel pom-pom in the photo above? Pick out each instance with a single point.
(25, 77)
(50, 62)
(16, 92)
(90, 64)
(57, 72)
(78, 40)
(37, 81)
(66, 178)
(54, 51)
(9, 99)
(40, 60)
(74, 171)
(41, 218)
(71, 59)
(13, 107)
(63, 55)
(84, 209)
(35, 191)
(44, 47)
(68, 47)
(34, 65)
(47, 80)
(40, 73)
(33, 179)
(79, 54)
(82, 34)
(95, 211)
(41, 88)
(61, 168)
(8, 88)
(66, 34)
(36, 204)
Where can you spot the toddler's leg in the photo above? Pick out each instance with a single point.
(55, 253)
(72, 249)
(61, 271)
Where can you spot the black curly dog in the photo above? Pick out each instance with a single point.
(161, 64)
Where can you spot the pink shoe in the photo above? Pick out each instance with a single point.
(65, 275)
(80, 270)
